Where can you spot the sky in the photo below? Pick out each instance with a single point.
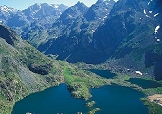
(23, 4)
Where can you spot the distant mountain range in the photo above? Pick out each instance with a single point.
(36, 16)
(126, 33)
(41, 13)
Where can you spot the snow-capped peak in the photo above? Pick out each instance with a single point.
(56, 6)
(7, 9)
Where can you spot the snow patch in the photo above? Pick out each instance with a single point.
(158, 40)
(148, 16)
(138, 72)
(7, 9)
(93, 30)
(56, 6)
(70, 16)
(51, 5)
(156, 14)
(148, 3)
(150, 11)
(105, 17)
(39, 5)
(156, 29)
(144, 11)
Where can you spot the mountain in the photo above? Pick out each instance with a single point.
(99, 11)
(124, 37)
(129, 38)
(36, 16)
(41, 17)
(34, 24)
(24, 70)
(37, 34)
(70, 41)
(132, 36)
(67, 18)
(12, 17)
(5, 13)
(44, 13)
(126, 34)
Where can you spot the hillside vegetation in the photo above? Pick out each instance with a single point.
(25, 70)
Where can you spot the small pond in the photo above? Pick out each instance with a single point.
(144, 83)
(103, 73)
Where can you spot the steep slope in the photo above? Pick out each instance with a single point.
(73, 41)
(99, 11)
(65, 28)
(41, 18)
(24, 70)
(132, 36)
(67, 18)
(43, 13)
(37, 34)
(12, 17)
(25, 22)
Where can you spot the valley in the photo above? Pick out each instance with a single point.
(120, 83)
(106, 58)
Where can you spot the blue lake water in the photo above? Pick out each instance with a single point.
(50, 101)
(110, 99)
(103, 73)
(145, 83)
(118, 100)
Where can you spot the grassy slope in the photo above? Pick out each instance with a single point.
(79, 82)
(16, 80)
(26, 70)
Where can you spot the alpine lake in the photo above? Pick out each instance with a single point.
(109, 99)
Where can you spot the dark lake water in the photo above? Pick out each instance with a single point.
(118, 100)
(144, 83)
(110, 99)
(51, 101)
(103, 73)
